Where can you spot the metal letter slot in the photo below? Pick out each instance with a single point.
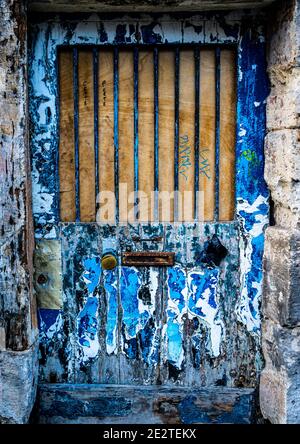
(148, 258)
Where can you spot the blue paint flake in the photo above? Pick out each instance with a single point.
(129, 285)
(87, 320)
(111, 288)
(175, 311)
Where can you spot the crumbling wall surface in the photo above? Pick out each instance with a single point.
(17, 309)
(280, 380)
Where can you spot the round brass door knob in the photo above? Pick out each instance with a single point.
(109, 261)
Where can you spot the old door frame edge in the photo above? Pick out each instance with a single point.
(251, 194)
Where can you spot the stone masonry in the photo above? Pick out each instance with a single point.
(18, 359)
(280, 380)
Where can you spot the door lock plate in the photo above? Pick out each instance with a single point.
(148, 259)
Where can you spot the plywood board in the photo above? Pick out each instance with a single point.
(106, 129)
(186, 167)
(207, 131)
(227, 134)
(146, 132)
(66, 138)
(126, 134)
(166, 133)
(86, 137)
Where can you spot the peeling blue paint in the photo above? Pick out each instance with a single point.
(129, 286)
(87, 320)
(251, 191)
(192, 293)
(111, 287)
(175, 311)
(50, 323)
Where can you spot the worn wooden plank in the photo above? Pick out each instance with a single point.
(106, 126)
(143, 6)
(227, 134)
(207, 131)
(86, 137)
(139, 340)
(186, 158)
(126, 133)
(66, 139)
(166, 132)
(108, 404)
(146, 134)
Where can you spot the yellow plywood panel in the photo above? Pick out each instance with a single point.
(207, 131)
(66, 139)
(146, 133)
(106, 131)
(86, 137)
(227, 134)
(186, 167)
(126, 135)
(166, 134)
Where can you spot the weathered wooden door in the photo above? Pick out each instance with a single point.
(126, 111)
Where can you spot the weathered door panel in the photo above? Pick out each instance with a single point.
(151, 325)
(196, 323)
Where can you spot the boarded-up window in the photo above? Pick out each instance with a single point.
(158, 120)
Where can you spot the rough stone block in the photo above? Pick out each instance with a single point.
(18, 380)
(281, 301)
(283, 33)
(280, 380)
(282, 174)
(283, 103)
(272, 394)
(286, 198)
(287, 218)
(282, 157)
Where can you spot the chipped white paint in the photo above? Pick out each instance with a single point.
(250, 315)
(210, 311)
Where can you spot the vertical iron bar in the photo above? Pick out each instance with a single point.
(116, 128)
(217, 58)
(76, 131)
(96, 119)
(57, 151)
(176, 134)
(156, 140)
(197, 117)
(136, 128)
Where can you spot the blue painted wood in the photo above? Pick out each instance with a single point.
(136, 125)
(217, 151)
(197, 128)
(57, 155)
(76, 131)
(156, 136)
(206, 340)
(252, 205)
(176, 130)
(110, 404)
(96, 120)
(116, 128)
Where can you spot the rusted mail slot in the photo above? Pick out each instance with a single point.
(148, 258)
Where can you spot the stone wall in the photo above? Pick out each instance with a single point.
(17, 308)
(280, 380)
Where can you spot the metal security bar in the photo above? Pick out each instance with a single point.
(156, 135)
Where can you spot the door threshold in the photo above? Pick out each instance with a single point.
(132, 404)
